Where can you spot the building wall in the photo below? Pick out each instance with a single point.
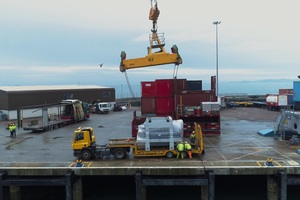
(12, 100)
(3, 99)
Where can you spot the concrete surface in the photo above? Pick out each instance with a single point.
(238, 148)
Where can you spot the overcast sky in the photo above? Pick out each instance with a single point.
(45, 42)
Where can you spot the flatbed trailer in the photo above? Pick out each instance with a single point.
(35, 126)
(84, 146)
(66, 112)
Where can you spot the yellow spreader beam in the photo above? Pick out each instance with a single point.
(153, 59)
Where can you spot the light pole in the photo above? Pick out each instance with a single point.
(217, 70)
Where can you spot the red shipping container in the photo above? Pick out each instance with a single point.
(180, 85)
(195, 98)
(164, 106)
(148, 106)
(286, 91)
(164, 87)
(148, 89)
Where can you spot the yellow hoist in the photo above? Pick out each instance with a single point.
(155, 57)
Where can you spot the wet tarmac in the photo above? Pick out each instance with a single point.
(238, 145)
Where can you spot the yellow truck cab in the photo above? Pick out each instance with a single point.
(84, 146)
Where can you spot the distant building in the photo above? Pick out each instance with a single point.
(14, 97)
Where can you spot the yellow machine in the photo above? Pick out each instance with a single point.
(84, 146)
(157, 41)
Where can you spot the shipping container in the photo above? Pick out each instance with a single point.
(195, 98)
(209, 124)
(194, 85)
(165, 106)
(277, 102)
(148, 89)
(285, 91)
(180, 85)
(296, 88)
(164, 87)
(148, 106)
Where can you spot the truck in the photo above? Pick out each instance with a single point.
(53, 115)
(156, 142)
(279, 101)
(101, 108)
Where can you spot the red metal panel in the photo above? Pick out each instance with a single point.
(148, 105)
(213, 83)
(164, 87)
(164, 106)
(137, 120)
(148, 89)
(180, 85)
(195, 98)
(285, 91)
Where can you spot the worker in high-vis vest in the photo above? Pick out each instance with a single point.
(188, 148)
(12, 129)
(193, 137)
(180, 149)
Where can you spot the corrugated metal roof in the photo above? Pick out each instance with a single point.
(49, 87)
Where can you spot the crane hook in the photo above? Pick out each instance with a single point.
(153, 2)
(153, 15)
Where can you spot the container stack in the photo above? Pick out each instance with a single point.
(182, 99)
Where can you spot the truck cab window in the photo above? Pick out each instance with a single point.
(79, 136)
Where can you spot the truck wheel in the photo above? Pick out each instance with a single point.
(86, 154)
(120, 153)
(169, 154)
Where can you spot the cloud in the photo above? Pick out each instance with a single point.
(55, 41)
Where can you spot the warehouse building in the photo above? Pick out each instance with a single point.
(14, 97)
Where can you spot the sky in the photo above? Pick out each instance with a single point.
(62, 42)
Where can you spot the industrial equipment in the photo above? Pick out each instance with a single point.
(157, 41)
(157, 54)
(154, 143)
(287, 125)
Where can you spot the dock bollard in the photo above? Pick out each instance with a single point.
(269, 162)
(79, 163)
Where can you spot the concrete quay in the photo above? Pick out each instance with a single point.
(239, 150)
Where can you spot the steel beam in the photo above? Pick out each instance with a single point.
(66, 181)
(211, 185)
(142, 181)
(69, 185)
(283, 185)
(2, 177)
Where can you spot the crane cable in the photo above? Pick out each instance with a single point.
(175, 71)
(153, 15)
(129, 86)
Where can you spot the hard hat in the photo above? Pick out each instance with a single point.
(185, 142)
(181, 142)
(193, 131)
